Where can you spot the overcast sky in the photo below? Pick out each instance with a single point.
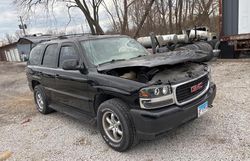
(40, 22)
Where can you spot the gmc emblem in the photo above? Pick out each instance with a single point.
(196, 87)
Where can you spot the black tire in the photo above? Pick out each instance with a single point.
(42, 109)
(121, 111)
(237, 54)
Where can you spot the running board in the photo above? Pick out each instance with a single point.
(73, 112)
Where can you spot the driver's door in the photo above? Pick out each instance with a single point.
(71, 84)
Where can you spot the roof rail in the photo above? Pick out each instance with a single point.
(45, 38)
(73, 35)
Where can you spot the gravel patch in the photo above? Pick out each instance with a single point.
(221, 134)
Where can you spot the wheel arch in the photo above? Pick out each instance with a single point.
(107, 93)
(100, 98)
(34, 83)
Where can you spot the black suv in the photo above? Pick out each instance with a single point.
(115, 82)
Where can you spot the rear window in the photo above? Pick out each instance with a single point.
(50, 56)
(36, 55)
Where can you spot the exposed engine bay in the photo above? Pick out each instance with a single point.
(160, 74)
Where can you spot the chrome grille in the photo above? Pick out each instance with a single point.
(184, 94)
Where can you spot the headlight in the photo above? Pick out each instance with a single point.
(166, 90)
(155, 91)
(156, 97)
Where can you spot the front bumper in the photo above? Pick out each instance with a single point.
(154, 123)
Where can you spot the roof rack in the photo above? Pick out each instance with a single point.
(61, 37)
(44, 38)
(73, 35)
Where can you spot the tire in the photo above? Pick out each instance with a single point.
(237, 54)
(41, 100)
(121, 114)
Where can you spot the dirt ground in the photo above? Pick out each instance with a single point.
(221, 134)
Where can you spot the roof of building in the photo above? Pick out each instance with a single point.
(35, 39)
(8, 45)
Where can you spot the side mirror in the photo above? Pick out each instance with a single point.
(71, 64)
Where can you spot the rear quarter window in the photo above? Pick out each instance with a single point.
(36, 55)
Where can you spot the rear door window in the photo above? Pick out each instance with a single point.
(51, 56)
(67, 52)
(36, 55)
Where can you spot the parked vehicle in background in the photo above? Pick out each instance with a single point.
(114, 81)
(234, 27)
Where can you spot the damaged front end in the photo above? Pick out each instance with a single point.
(165, 84)
(179, 85)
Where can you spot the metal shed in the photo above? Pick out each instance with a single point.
(25, 44)
(9, 52)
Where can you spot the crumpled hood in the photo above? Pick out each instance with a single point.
(168, 58)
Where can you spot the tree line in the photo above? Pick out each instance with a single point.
(163, 16)
(138, 17)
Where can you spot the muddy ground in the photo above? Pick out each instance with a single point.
(221, 134)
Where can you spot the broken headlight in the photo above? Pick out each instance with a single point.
(156, 97)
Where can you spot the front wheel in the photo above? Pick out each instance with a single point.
(116, 125)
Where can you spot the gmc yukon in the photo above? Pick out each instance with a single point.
(116, 83)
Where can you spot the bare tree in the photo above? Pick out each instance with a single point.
(204, 10)
(170, 5)
(136, 18)
(161, 14)
(113, 19)
(84, 5)
(147, 9)
(121, 9)
(180, 6)
(19, 34)
(9, 39)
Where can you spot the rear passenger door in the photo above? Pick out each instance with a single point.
(48, 70)
(71, 84)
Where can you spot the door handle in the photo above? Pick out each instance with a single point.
(57, 75)
(40, 73)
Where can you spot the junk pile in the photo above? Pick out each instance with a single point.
(199, 40)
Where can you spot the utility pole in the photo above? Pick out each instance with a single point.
(22, 26)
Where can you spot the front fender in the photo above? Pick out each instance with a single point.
(111, 90)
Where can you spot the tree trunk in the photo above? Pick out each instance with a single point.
(125, 17)
(93, 25)
(170, 16)
(163, 10)
(148, 8)
(180, 16)
(176, 15)
(186, 13)
(192, 12)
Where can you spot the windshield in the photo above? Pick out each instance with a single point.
(107, 50)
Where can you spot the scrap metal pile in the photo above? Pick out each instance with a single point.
(197, 40)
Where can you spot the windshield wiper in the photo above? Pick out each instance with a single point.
(137, 56)
(112, 61)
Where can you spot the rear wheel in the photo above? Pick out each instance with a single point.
(115, 124)
(41, 100)
(237, 54)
